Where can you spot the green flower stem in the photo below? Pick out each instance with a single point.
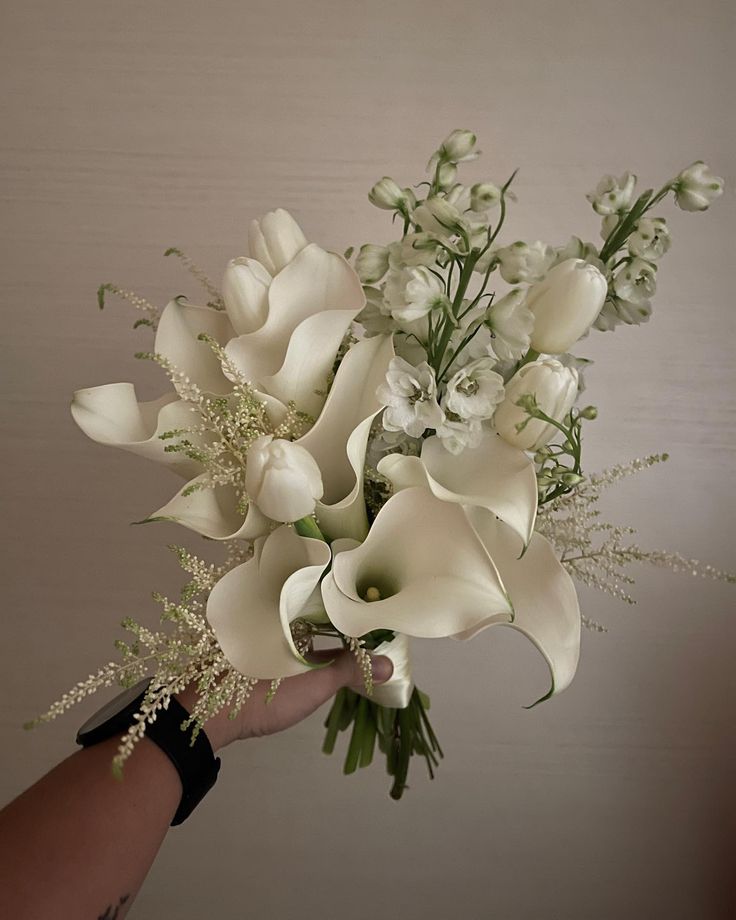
(308, 527)
(530, 356)
(399, 733)
(448, 327)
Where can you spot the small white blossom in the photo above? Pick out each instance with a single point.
(484, 196)
(413, 249)
(696, 187)
(375, 318)
(457, 147)
(616, 311)
(438, 215)
(510, 322)
(575, 248)
(650, 239)
(457, 434)
(411, 293)
(522, 262)
(410, 397)
(447, 175)
(371, 263)
(612, 195)
(636, 281)
(387, 195)
(474, 391)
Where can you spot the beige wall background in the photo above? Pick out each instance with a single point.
(134, 126)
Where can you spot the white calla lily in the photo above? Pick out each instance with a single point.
(546, 608)
(427, 569)
(176, 340)
(311, 304)
(275, 240)
(339, 438)
(111, 415)
(253, 606)
(493, 475)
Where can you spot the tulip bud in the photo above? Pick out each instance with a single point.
(565, 304)
(458, 146)
(546, 384)
(371, 263)
(282, 479)
(484, 195)
(245, 294)
(387, 195)
(696, 187)
(275, 239)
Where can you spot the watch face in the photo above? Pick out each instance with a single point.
(112, 708)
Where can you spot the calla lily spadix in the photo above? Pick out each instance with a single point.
(493, 475)
(425, 567)
(252, 607)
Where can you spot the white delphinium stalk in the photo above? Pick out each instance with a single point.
(410, 397)
(524, 262)
(696, 188)
(510, 322)
(650, 239)
(611, 195)
(636, 282)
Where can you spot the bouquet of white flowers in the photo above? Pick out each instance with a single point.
(386, 451)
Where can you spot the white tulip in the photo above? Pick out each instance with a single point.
(553, 386)
(275, 239)
(650, 239)
(282, 479)
(613, 195)
(521, 261)
(565, 304)
(245, 294)
(696, 187)
(371, 263)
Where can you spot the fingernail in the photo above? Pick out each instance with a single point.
(382, 668)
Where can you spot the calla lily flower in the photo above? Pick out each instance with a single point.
(252, 607)
(493, 475)
(311, 303)
(421, 571)
(546, 608)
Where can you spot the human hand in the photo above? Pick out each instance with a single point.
(296, 698)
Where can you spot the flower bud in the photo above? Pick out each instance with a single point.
(275, 239)
(565, 304)
(245, 294)
(447, 175)
(590, 413)
(458, 146)
(550, 386)
(387, 195)
(371, 263)
(696, 187)
(484, 195)
(282, 479)
(437, 215)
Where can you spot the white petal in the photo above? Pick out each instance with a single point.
(433, 572)
(275, 239)
(112, 415)
(245, 294)
(493, 475)
(176, 339)
(314, 282)
(545, 602)
(251, 607)
(397, 690)
(213, 513)
(339, 438)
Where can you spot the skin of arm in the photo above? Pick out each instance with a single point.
(79, 843)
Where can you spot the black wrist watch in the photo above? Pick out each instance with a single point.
(195, 763)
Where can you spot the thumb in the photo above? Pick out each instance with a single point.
(346, 671)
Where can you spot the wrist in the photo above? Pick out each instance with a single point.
(220, 729)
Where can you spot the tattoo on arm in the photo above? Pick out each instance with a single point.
(113, 911)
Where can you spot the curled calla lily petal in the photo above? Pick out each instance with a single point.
(397, 690)
(314, 282)
(112, 415)
(245, 294)
(339, 438)
(213, 512)
(493, 475)
(421, 571)
(252, 607)
(546, 608)
(176, 340)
